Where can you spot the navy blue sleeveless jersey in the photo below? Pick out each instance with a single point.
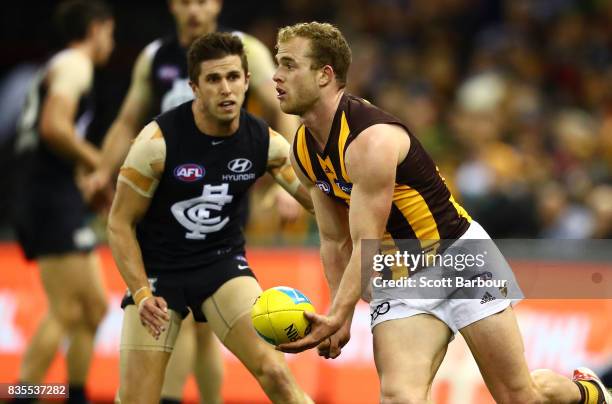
(197, 213)
(48, 212)
(39, 164)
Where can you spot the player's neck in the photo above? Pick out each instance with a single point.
(84, 48)
(320, 117)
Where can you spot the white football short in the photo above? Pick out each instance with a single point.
(455, 313)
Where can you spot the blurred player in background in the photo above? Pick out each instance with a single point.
(50, 214)
(160, 82)
(176, 225)
(369, 176)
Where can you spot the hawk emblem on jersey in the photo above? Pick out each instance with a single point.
(198, 214)
(189, 172)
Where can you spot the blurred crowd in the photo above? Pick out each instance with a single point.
(512, 98)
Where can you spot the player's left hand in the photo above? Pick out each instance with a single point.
(331, 348)
(322, 327)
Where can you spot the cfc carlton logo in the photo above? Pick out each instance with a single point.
(189, 172)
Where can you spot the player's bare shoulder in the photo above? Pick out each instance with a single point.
(144, 164)
(376, 147)
(70, 71)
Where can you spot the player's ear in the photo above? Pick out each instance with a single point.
(194, 88)
(326, 75)
(247, 80)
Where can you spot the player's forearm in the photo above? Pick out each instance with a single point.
(127, 254)
(64, 140)
(285, 177)
(350, 287)
(335, 256)
(116, 146)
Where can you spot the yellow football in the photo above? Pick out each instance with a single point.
(278, 315)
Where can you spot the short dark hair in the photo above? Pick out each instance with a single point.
(212, 46)
(73, 17)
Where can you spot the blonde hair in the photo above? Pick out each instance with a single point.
(327, 46)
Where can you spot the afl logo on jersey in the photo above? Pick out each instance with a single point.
(240, 165)
(323, 186)
(189, 172)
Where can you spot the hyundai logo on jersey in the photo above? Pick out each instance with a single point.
(189, 172)
(240, 165)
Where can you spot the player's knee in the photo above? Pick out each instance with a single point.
(96, 312)
(273, 371)
(402, 395)
(68, 315)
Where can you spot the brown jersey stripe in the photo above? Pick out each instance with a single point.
(423, 207)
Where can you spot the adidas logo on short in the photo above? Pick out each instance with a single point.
(487, 298)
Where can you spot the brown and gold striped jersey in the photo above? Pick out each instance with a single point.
(423, 207)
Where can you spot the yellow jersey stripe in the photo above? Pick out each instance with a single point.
(462, 212)
(414, 208)
(344, 133)
(330, 173)
(303, 155)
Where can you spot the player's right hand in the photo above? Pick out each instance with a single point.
(331, 348)
(97, 190)
(154, 315)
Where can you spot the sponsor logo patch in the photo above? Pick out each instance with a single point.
(323, 186)
(240, 165)
(189, 172)
(344, 186)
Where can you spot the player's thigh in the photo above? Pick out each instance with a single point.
(497, 346)
(181, 361)
(229, 303)
(62, 278)
(204, 334)
(408, 352)
(143, 358)
(228, 313)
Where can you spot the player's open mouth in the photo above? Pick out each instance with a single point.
(227, 105)
(280, 93)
